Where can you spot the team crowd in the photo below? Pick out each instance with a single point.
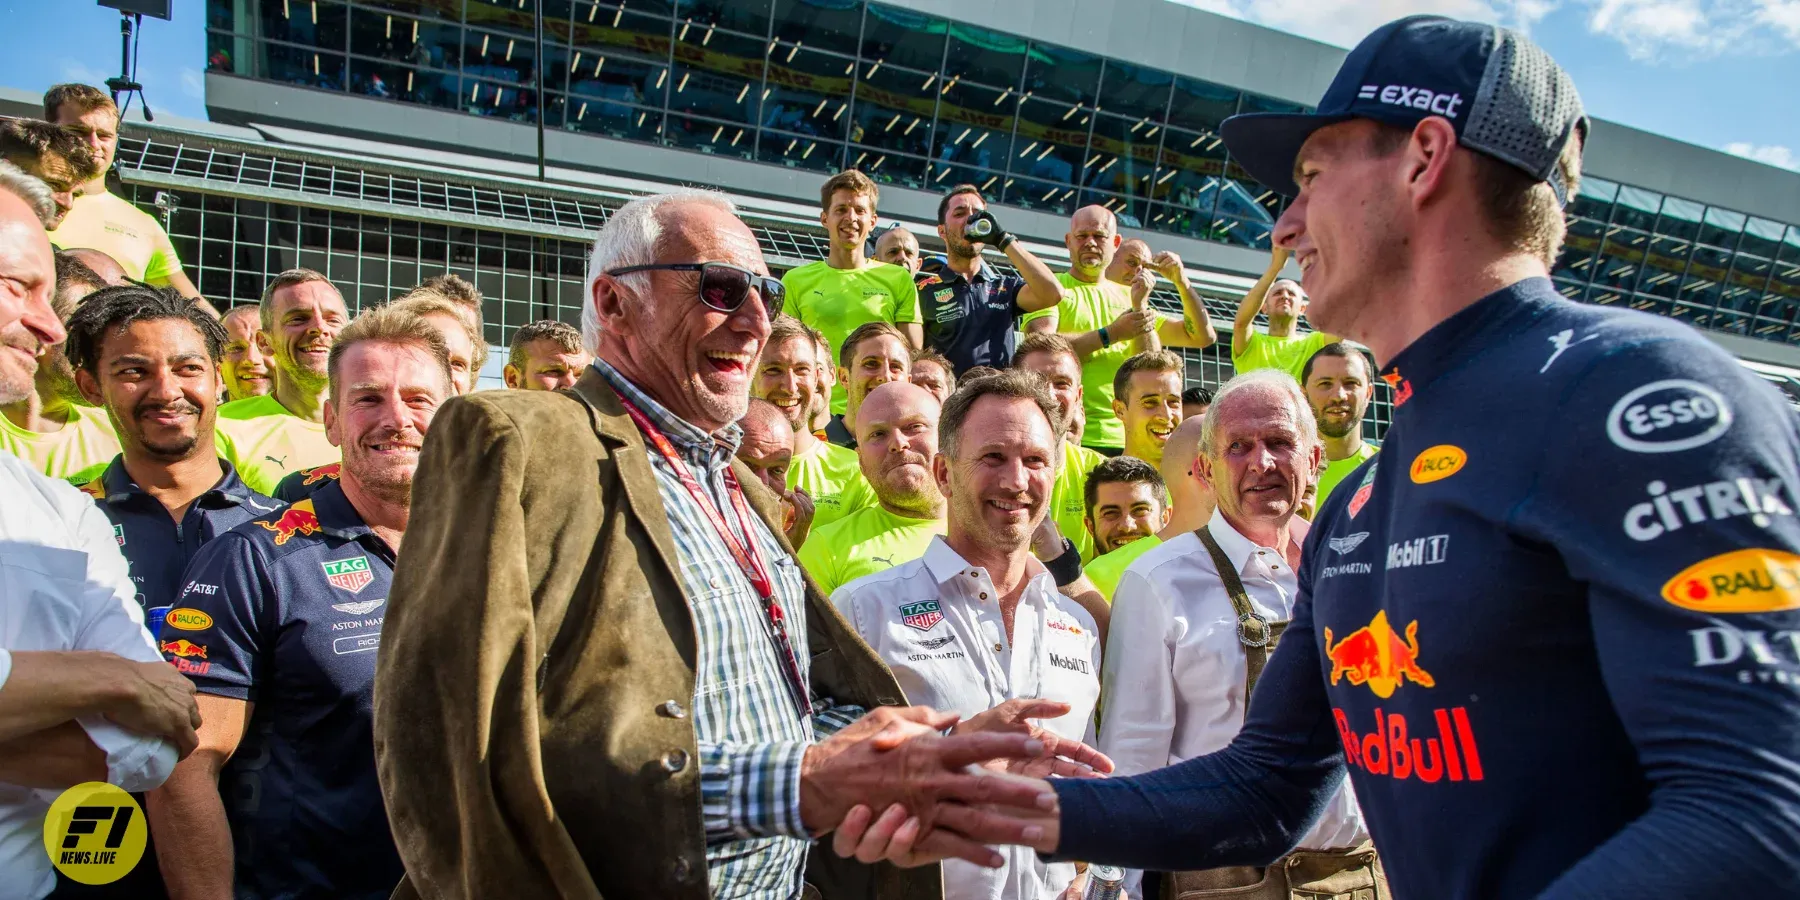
(988, 492)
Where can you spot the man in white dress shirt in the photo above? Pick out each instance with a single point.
(976, 626)
(1178, 671)
(84, 695)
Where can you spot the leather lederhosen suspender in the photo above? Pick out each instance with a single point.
(1257, 634)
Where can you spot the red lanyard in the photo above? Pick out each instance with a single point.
(746, 552)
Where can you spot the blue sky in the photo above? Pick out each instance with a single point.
(1719, 73)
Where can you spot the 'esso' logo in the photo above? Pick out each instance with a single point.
(1667, 416)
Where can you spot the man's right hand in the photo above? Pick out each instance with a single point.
(961, 832)
(1129, 324)
(897, 756)
(1278, 258)
(151, 698)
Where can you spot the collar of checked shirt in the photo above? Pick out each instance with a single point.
(719, 446)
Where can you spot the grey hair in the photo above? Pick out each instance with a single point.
(629, 238)
(30, 189)
(1277, 381)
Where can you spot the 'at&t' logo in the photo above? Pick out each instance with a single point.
(1668, 416)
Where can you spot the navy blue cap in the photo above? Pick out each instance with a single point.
(1505, 96)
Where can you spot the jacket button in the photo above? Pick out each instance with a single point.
(671, 709)
(674, 761)
(681, 868)
(887, 701)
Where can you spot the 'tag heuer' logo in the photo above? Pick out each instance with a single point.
(1742, 581)
(1374, 655)
(923, 615)
(349, 574)
(296, 519)
(1438, 463)
(1364, 491)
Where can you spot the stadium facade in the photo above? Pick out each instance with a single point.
(382, 140)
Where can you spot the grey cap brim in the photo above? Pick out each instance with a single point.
(1266, 144)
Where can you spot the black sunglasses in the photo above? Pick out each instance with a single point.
(723, 286)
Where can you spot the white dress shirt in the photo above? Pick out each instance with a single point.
(936, 622)
(64, 586)
(1176, 672)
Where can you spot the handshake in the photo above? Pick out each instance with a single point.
(911, 785)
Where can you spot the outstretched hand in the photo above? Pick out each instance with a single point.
(960, 832)
(1063, 757)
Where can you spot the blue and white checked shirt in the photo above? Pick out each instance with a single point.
(750, 731)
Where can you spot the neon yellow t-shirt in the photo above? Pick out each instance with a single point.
(1086, 307)
(1068, 505)
(107, 223)
(833, 478)
(1337, 470)
(1105, 571)
(265, 442)
(79, 452)
(1288, 354)
(864, 542)
(839, 301)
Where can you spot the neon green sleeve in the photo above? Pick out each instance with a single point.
(164, 262)
(906, 298)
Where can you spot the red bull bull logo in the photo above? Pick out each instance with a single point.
(1374, 655)
(296, 519)
(1389, 750)
(321, 473)
(184, 648)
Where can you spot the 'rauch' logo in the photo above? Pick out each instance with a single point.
(1742, 581)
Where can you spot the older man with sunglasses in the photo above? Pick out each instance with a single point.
(621, 684)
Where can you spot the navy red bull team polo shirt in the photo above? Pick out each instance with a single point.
(970, 321)
(1552, 630)
(285, 612)
(297, 486)
(158, 548)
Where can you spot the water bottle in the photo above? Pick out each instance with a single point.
(979, 229)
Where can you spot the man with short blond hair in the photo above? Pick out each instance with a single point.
(103, 220)
(845, 290)
(872, 355)
(545, 355)
(1052, 358)
(291, 712)
(1147, 401)
(54, 156)
(461, 329)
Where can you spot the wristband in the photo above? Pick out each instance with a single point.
(1005, 241)
(1066, 567)
(1105, 339)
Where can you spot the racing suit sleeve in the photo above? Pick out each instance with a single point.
(1687, 541)
(1246, 804)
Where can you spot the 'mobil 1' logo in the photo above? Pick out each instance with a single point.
(95, 833)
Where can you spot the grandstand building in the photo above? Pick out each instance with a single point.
(380, 141)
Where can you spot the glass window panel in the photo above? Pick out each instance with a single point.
(1790, 246)
(1594, 198)
(1707, 272)
(1621, 256)
(301, 66)
(440, 9)
(1171, 219)
(1604, 296)
(499, 99)
(219, 48)
(1579, 247)
(1574, 290)
(985, 57)
(717, 74)
(1039, 195)
(945, 175)
(1721, 227)
(396, 82)
(822, 24)
(889, 168)
(1136, 92)
(1637, 208)
(1681, 218)
(1749, 275)
(709, 136)
(619, 59)
(747, 16)
(802, 151)
(498, 56)
(1058, 73)
(807, 92)
(311, 23)
(1656, 306)
(891, 113)
(1050, 148)
(905, 38)
(1239, 217)
(514, 16)
(1762, 237)
(1664, 262)
(1189, 173)
(1200, 106)
(1259, 103)
(600, 115)
(975, 125)
(1122, 160)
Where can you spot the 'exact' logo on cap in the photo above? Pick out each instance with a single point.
(1414, 97)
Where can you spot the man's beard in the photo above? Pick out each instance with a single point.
(1337, 431)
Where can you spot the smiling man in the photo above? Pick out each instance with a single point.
(1338, 386)
(768, 451)
(53, 428)
(56, 157)
(244, 367)
(278, 626)
(1147, 402)
(545, 355)
(1051, 358)
(846, 289)
(1127, 506)
(266, 438)
(787, 376)
(1282, 302)
(873, 355)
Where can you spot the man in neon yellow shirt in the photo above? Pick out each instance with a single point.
(266, 438)
(1147, 392)
(875, 354)
(1337, 385)
(1052, 359)
(897, 439)
(1127, 504)
(847, 289)
(1282, 302)
(767, 448)
(787, 377)
(1103, 321)
(243, 367)
(54, 430)
(100, 219)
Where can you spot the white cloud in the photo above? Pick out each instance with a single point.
(77, 71)
(1345, 22)
(1781, 15)
(1773, 154)
(192, 84)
